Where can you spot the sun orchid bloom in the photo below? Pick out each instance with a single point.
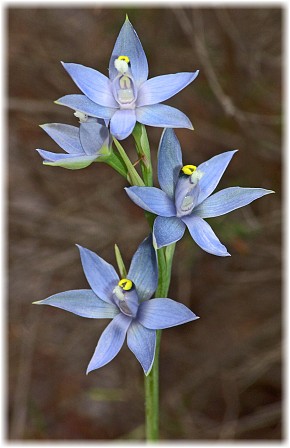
(127, 95)
(83, 144)
(186, 198)
(127, 301)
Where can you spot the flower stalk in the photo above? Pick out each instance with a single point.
(165, 259)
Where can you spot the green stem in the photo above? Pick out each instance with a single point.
(133, 175)
(165, 258)
(143, 151)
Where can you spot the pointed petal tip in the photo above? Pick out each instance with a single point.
(146, 373)
(37, 302)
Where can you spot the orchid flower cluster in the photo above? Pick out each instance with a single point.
(110, 109)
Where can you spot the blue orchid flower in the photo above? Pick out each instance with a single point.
(83, 144)
(185, 198)
(127, 95)
(127, 302)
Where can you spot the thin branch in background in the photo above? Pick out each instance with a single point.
(194, 30)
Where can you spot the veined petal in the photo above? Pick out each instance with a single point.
(122, 123)
(85, 105)
(100, 275)
(227, 200)
(167, 230)
(82, 302)
(212, 171)
(110, 342)
(95, 85)
(54, 156)
(69, 161)
(162, 116)
(169, 161)
(143, 270)
(152, 199)
(157, 314)
(204, 236)
(92, 137)
(128, 44)
(159, 89)
(65, 135)
(142, 342)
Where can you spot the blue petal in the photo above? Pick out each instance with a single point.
(92, 136)
(95, 85)
(227, 200)
(162, 116)
(53, 156)
(152, 199)
(157, 314)
(167, 230)
(110, 342)
(128, 44)
(204, 236)
(212, 171)
(85, 105)
(100, 275)
(143, 270)
(122, 123)
(71, 162)
(169, 161)
(65, 135)
(159, 89)
(142, 342)
(82, 302)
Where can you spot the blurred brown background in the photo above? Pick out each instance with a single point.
(221, 375)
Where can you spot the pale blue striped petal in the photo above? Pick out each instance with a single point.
(100, 275)
(167, 230)
(157, 314)
(143, 270)
(204, 236)
(162, 116)
(169, 161)
(65, 135)
(161, 88)
(82, 302)
(152, 199)
(142, 342)
(212, 171)
(95, 85)
(83, 104)
(128, 44)
(227, 200)
(110, 342)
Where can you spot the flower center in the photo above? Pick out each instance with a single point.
(126, 297)
(124, 86)
(122, 64)
(187, 190)
(188, 169)
(125, 284)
